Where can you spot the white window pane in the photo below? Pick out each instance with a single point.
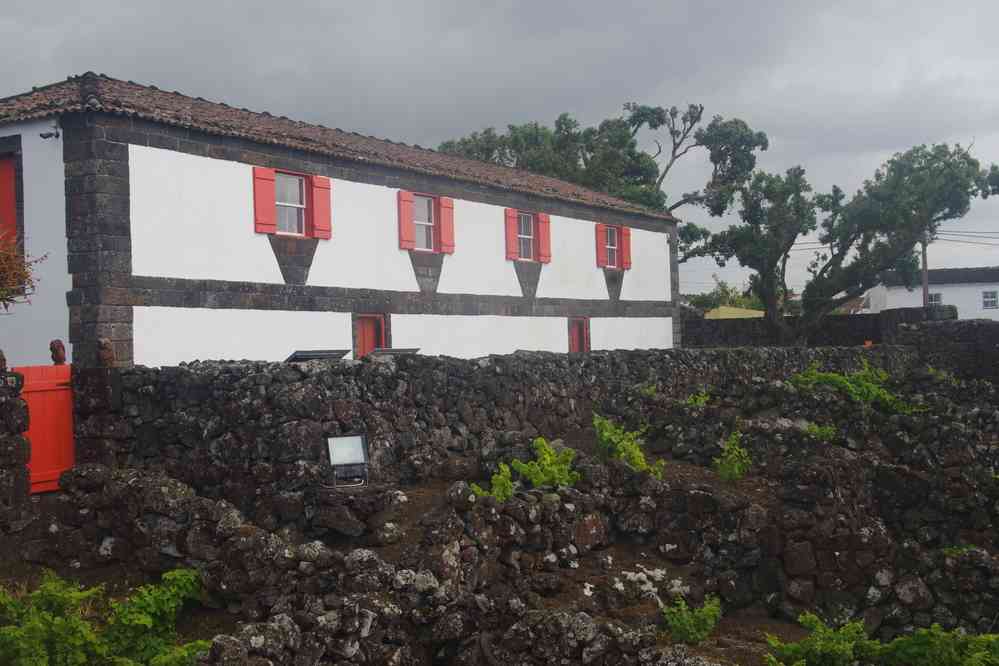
(611, 257)
(611, 237)
(424, 236)
(423, 209)
(289, 189)
(526, 226)
(936, 299)
(347, 450)
(526, 248)
(290, 220)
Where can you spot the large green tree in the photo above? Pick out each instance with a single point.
(607, 157)
(876, 231)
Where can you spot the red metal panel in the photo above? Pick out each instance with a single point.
(625, 235)
(264, 201)
(446, 217)
(322, 219)
(601, 237)
(407, 230)
(49, 395)
(510, 231)
(544, 240)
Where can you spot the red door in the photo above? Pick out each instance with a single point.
(49, 395)
(579, 334)
(367, 335)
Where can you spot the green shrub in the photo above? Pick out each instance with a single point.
(864, 386)
(699, 399)
(691, 625)
(942, 376)
(60, 624)
(850, 645)
(648, 389)
(957, 551)
(501, 485)
(734, 461)
(548, 467)
(614, 442)
(824, 433)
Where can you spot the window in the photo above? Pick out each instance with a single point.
(290, 200)
(990, 300)
(423, 218)
(291, 203)
(613, 246)
(426, 223)
(936, 299)
(525, 236)
(528, 236)
(8, 201)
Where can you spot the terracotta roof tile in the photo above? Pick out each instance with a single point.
(92, 92)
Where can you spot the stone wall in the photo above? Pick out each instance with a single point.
(969, 347)
(836, 330)
(15, 483)
(249, 431)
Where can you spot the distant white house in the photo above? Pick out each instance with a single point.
(974, 291)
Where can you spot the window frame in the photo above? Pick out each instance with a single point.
(935, 298)
(435, 236)
(305, 207)
(616, 247)
(533, 237)
(990, 295)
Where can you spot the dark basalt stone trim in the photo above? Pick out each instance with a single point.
(294, 257)
(427, 269)
(528, 274)
(614, 279)
(125, 130)
(180, 292)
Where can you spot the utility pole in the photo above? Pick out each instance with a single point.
(926, 278)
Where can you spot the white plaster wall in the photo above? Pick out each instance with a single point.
(573, 271)
(877, 298)
(967, 298)
(648, 278)
(192, 217)
(472, 336)
(479, 264)
(364, 251)
(631, 333)
(25, 332)
(167, 336)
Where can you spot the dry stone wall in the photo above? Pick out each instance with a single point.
(15, 450)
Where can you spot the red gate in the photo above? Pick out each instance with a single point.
(49, 395)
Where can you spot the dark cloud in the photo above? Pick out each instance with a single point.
(837, 88)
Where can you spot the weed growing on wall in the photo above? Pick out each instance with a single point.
(850, 645)
(824, 433)
(62, 624)
(549, 468)
(501, 485)
(699, 399)
(648, 389)
(942, 376)
(864, 386)
(691, 625)
(614, 442)
(734, 461)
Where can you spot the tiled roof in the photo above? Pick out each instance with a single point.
(988, 274)
(97, 92)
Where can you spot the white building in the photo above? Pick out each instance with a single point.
(178, 228)
(974, 291)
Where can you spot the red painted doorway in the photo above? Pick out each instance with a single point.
(369, 334)
(49, 395)
(579, 334)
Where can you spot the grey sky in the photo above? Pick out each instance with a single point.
(838, 86)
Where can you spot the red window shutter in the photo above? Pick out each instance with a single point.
(601, 245)
(264, 198)
(511, 234)
(544, 234)
(625, 247)
(322, 219)
(446, 206)
(8, 203)
(407, 233)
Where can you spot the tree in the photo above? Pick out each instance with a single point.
(17, 280)
(607, 158)
(724, 294)
(876, 231)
